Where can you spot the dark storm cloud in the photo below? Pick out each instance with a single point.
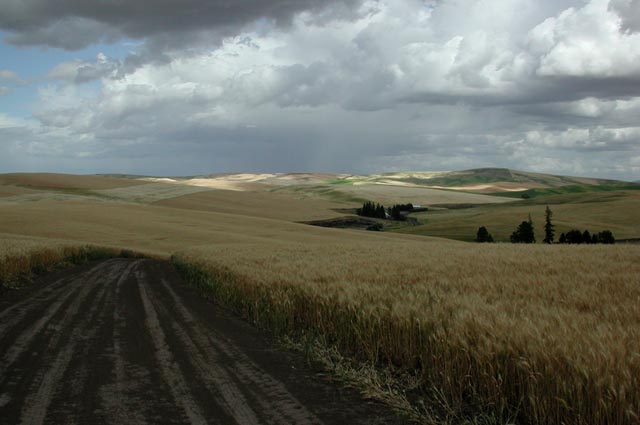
(73, 24)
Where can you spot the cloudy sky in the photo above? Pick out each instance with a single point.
(183, 87)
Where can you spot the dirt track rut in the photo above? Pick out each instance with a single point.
(125, 341)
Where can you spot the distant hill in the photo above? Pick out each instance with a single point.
(487, 180)
(504, 175)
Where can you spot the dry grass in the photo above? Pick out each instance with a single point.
(10, 191)
(393, 193)
(256, 204)
(21, 256)
(535, 334)
(65, 181)
(150, 192)
(161, 230)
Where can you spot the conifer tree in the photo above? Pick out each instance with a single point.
(483, 235)
(549, 233)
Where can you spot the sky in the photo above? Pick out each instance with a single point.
(186, 87)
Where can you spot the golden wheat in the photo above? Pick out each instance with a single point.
(20, 256)
(536, 334)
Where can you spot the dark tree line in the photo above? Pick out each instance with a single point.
(577, 237)
(370, 209)
(396, 211)
(525, 234)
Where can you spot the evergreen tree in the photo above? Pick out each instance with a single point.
(563, 238)
(524, 233)
(574, 236)
(606, 237)
(549, 233)
(483, 235)
(586, 237)
(370, 209)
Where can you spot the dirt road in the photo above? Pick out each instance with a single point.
(126, 342)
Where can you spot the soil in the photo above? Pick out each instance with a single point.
(352, 222)
(126, 341)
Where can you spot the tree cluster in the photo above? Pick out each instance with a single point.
(525, 234)
(577, 237)
(396, 211)
(370, 209)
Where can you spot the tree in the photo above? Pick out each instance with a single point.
(524, 233)
(574, 236)
(563, 238)
(483, 235)
(549, 233)
(586, 237)
(606, 237)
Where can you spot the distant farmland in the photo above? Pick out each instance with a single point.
(441, 329)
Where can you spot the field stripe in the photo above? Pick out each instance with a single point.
(287, 410)
(169, 369)
(73, 288)
(16, 312)
(35, 407)
(121, 415)
(226, 393)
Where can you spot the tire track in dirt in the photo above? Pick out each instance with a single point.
(64, 295)
(20, 311)
(36, 404)
(117, 401)
(125, 341)
(230, 363)
(170, 370)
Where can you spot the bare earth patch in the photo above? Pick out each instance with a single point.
(125, 341)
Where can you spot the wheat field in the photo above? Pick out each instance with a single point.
(526, 334)
(467, 333)
(22, 256)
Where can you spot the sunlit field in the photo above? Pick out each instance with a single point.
(528, 334)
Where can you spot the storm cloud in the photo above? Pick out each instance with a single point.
(73, 24)
(339, 86)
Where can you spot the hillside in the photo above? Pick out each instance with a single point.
(458, 201)
(596, 211)
(406, 185)
(439, 318)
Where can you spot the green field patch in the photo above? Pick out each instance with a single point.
(340, 182)
(570, 189)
